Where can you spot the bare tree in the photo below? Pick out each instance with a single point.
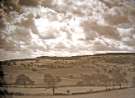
(51, 81)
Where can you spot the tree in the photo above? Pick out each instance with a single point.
(23, 80)
(51, 81)
(104, 80)
(119, 78)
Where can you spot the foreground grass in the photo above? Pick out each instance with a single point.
(121, 93)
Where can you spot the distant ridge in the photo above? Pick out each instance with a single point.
(68, 57)
(72, 57)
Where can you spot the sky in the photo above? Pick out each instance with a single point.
(69, 28)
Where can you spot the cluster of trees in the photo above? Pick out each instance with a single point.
(49, 80)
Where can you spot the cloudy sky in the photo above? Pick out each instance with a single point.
(69, 28)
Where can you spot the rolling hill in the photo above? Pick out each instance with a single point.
(114, 69)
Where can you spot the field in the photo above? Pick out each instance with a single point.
(124, 93)
(69, 76)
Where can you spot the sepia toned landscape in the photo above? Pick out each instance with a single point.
(98, 75)
(67, 48)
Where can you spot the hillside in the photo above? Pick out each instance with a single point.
(95, 70)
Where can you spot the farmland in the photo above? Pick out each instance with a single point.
(124, 93)
(68, 75)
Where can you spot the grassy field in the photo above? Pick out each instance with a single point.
(124, 93)
(72, 75)
(59, 90)
(73, 70)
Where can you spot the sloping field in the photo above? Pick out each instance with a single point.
(124, 93)
(104, 70)
(79, 70)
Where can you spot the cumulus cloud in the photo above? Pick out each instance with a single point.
(69, 27)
